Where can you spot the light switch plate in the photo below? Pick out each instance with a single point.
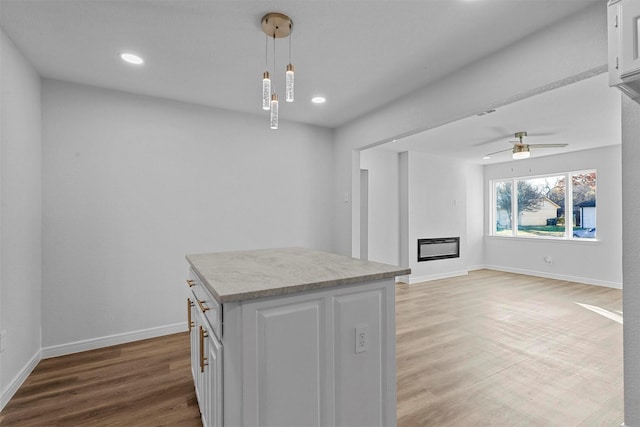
(362, 337)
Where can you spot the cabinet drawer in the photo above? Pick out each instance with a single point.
(206, 304)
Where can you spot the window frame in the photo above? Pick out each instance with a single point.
(568, 207)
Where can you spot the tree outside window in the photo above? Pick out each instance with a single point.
(540, 205)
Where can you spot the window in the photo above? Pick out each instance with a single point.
(545, 206)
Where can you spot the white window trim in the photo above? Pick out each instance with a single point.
(568, 202)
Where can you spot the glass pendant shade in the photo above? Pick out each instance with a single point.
(266, 91)
(274, 112)
(289, 83)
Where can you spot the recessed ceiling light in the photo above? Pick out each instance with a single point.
(131, 58)
(486, 157)
(318, 99)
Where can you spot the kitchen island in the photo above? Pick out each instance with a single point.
(292, 337)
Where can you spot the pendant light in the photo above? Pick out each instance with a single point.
(289, 77)
(276, 25)
(266, 90)
(289, 83)
(273, 119)
(273, 114)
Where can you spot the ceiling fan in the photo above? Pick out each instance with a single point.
(521, 150)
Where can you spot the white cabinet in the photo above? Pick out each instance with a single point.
(206, 359)
(213, 379)
(304, 365)
(315, 358)
(623, 20)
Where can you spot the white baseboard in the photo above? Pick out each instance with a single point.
(19, 379)
(410, 279)
(577, 279)
(78, 346)
(94, 343)
(418, 279)
(402, 279)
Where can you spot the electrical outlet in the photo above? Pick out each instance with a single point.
(362, 338)
(3, 340)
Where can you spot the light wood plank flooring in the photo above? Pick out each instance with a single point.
(486, 349)
(503, 349)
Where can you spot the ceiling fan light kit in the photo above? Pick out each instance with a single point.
(277, 26)
(521, 150)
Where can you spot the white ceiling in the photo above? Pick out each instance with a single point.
(585, 115)
(359, 54)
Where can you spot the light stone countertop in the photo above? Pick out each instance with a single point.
(244, 275)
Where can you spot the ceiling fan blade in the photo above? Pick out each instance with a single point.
(541, 134)
(492, 140)
(500, 132)
(497, 152)
(548, 145)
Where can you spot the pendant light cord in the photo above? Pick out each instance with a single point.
(266, 51)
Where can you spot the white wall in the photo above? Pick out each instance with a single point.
(437, 207)
(474, 251)
(132, 184)
(403, 211)
(559, 53)
(407, 202)
(631, 266)
(594, 262)
(383, 224)
(20, 217)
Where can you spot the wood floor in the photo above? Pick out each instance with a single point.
(145, 383)
(508, 350)
(486, 349)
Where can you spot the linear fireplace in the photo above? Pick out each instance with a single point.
(438, 248)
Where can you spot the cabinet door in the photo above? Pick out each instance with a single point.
(193, 331)
(201, 380)
(320, 359)
(209, 382)
(630, 38)
(213, 379)
(197, 357)
(613, 40)
(284, 349)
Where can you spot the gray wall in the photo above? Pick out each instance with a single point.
(383, 224)
(20, 216)
(437, 207)
(133, 183)
(594, 262)
(631, 259)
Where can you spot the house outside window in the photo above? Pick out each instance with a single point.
(560, 206)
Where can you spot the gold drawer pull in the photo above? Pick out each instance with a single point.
(203, 359)
(191, 322)
(202, 307)
(191, 283)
